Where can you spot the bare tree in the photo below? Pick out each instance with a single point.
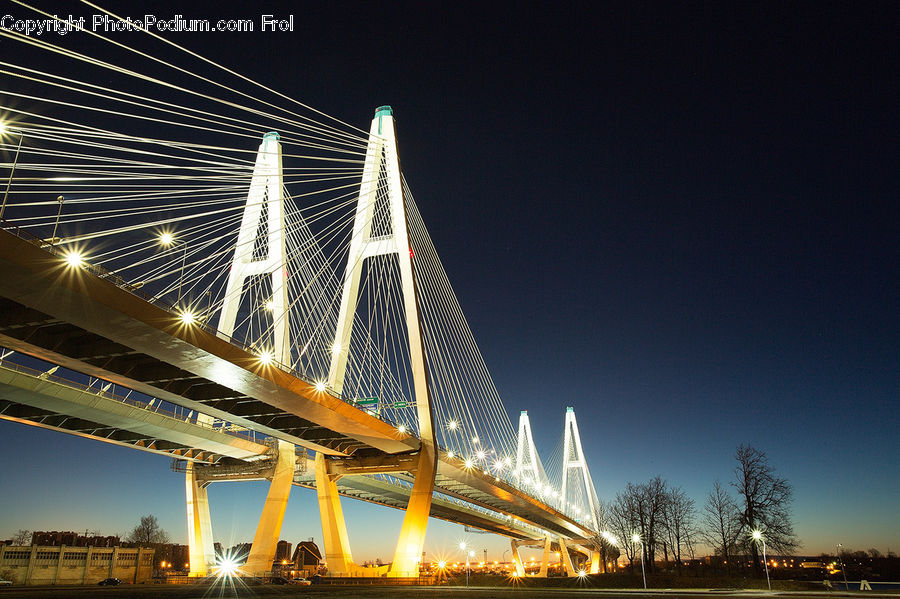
(639, 510)
(22, 537)
(764, 503)
(678, 521)
(148, 532)
(622, 522)
(721, 522)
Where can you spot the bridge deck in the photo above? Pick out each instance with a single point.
(86, 320)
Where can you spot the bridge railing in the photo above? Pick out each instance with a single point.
(156, 408)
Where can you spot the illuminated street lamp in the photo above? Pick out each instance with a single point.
(843, 569)
(3, 130)
(166, 239)
(462, 547)
(636, 538)
(758, 537)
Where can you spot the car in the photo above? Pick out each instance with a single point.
(5, 583)
(302, 582)
(113, 582)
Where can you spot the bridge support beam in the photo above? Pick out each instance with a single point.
(262, 551)
(595, 562)
(334, 529)
(545, 562)
(517, 559)
(200, 541)
(566, 558)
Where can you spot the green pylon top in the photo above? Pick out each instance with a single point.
(384, 111)
(272, 135)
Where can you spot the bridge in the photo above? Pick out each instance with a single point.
(253, 321)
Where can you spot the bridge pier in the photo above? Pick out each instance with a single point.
(567, 559)
(262, 551)
(200, 541)
(545, 561)
(334, 528)
(517, 559)
(595, 562)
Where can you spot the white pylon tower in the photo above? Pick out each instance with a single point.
(381, 171)
(269, 258)
(254, 256)
(528, 465)
(573, 458)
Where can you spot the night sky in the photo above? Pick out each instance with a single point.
(679, 220)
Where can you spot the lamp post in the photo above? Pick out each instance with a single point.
(462, 546)
(53, 238)
(758, 536)
(3, 130)
(843, 569)
(167, 239)
(636, 538)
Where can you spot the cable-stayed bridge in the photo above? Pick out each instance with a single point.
(273, 313)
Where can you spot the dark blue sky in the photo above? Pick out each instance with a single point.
(681, 221)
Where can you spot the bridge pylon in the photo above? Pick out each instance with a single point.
(573, 459)
(528, 464)
(381, 185)
(256, 256)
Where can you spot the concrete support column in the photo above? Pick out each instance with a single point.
(517, 559)
(545, 562)
(200, 541)
(412, 533)
(567, 559)
(334, 529)
(595, 562)
(265, 542)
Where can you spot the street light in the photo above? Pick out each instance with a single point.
(53, 238)
(3, 130)
(843, 569)
(166, 239)
(636, 538)
(758, 536)
(462, 547)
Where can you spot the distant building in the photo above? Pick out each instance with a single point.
(307, 559)
(71, 539)
(282, 561)
(63, 564)
(239, 552)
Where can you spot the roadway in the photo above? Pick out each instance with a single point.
(520, 591)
